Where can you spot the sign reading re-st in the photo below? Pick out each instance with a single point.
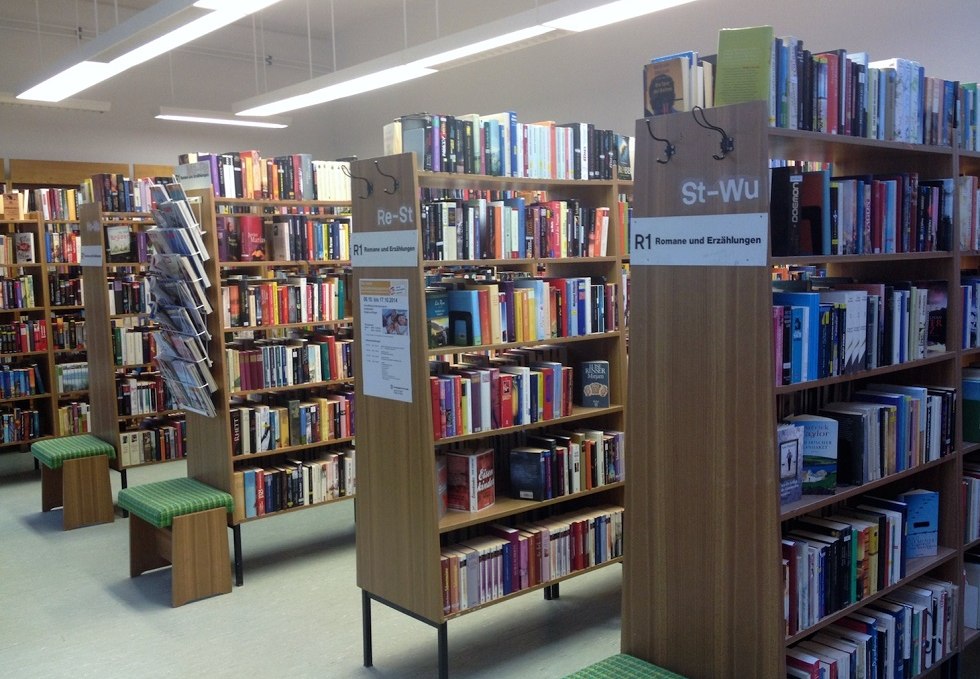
(404, 216)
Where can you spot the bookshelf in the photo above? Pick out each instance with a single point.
(402, 539)
(703, 495)
(218, 458)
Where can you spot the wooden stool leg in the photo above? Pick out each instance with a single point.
(200, 556)
(51, 488)
(86, 490)
(149, 546)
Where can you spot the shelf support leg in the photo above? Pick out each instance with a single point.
(443, 650)
(366, 628)
(124, 484)
(236, 532)
(551, 592)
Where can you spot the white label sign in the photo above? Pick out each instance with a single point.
(91, 255)
(386, 346)
(705, 240)
(385, 248)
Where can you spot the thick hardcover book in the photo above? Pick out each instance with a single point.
(528, 472)
(744, 65)
(470, 479)
(784, 213)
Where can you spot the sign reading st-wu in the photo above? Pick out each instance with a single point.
(725, 190)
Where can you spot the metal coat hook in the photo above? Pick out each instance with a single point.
(669, 148)
(727, 143)
(367, 182)
(394, 180)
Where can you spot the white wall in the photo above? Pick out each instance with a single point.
(594, 76)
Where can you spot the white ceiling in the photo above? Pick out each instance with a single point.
(593, 76)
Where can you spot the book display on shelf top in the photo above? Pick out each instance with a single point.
(710, 448)
(492, 343)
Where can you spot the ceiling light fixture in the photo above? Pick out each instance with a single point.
(546, 22)
(185, 115)
(9, 99)
(162, 27)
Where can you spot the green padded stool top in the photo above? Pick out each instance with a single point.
(623, 666)
(53, 452)
(159, 502)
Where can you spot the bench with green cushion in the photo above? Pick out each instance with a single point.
(623, 666)
(75, 476)
(181, 523)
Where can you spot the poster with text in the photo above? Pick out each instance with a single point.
(385, 342)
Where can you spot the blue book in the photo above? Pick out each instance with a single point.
(923, 522)
(250, 509)
(527, 473)
(464, 318)
(810, 327)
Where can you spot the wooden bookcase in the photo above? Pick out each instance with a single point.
(703, 593)
(212, 459)
(106, 419)
(399, 531)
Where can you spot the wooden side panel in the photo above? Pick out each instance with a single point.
(397, 525)
(102, 381)
(59, 172)
(151, 170)
(702, 566)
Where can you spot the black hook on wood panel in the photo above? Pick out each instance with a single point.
(367, 182)
(669, 148)
(727, 142)
(394, 180)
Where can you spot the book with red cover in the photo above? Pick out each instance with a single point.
(252, 237)
(471, 479)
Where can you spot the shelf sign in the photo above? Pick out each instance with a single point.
(91, 255)
(703, 240)
(385, 248)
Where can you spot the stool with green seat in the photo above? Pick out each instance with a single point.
(182, 523)
(75, 476)
(622, 666)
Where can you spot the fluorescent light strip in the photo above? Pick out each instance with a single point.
(88, 72)
(347, 88)
(483, 46)
(215, 118)
(611, 13)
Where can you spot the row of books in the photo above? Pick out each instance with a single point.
(54, 203)
(245, 174)
(128, 295)
(65, 290)
(18, 292)
(556, 463)
(499, 145)
(474, 312)
(834, 92)
(141, 393)
(71, 376)
(157, 440)
(677, 82)
(882, 430)
(282, 238)
(114, 192)
(512, 228)
(513, 558)
(902, 634)
(62, 244)
(253, 301)
(837, 327)
(132, 344)
(20, 425)
(296, 361)
(295, 483)
(21, 380)
(832, 562)
(17, 248)
(812, 212)
(24, 336)
(273, 421)
(74, 418)
(67, 333)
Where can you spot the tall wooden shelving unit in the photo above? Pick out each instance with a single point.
(399, 531)
(703, 593)
(210, 439)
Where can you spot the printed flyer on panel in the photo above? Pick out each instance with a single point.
(385, 341)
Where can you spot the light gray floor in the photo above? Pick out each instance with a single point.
(68, 607)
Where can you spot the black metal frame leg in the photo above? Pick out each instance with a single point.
(551, 592)
(443, 650)
(236, 532)
(366, 628)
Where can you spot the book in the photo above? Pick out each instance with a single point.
(819, 453)
(665, 86)
(470, 484)
(744, 66)
(437, 316)
(593, 391)
(923, 522)
(529, 472)
(789, 443)
(24, 248)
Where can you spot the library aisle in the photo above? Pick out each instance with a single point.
(69, 607)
